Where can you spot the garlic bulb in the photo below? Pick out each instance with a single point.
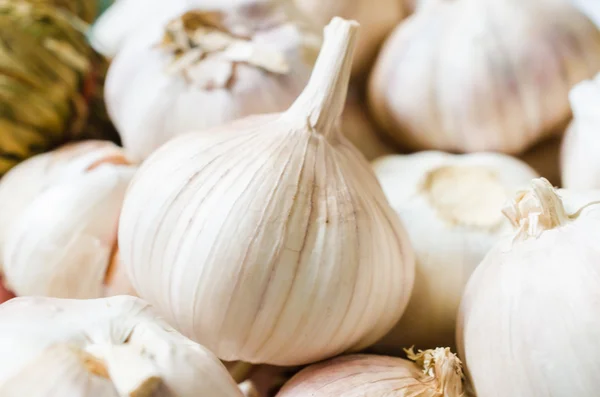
(59, 214)
(377, 18)
(482, 75)
(102, 347)
(580, 163)
(435, 373)
(528, 324)
(451, 207)
(269, 240)
(591, 8)
(211, 67)
(358, 128)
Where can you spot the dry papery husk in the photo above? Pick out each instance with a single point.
(451, 206)
(358, 127)
(580, 159)
(269, 240)
(59, 215)
(207, 67)
(528, 324)
(85, 9)
(51, 82)
(430, 373)
(376, 17)
(111, 347)
(482, 75)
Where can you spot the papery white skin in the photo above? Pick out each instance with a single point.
(482, 75)
(448, 245)
(123, 335)
(580, 162)
(529, 324)
(59, 215)
(376, 17)
(270, 240)
(149, 105)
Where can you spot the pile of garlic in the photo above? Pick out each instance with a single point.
(270, 230)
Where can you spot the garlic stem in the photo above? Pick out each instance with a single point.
(536, 210)
(441, 366)
(131, 373)
(322, 101)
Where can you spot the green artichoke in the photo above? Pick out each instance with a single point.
(51, 82)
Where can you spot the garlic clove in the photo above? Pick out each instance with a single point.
(119, 339)
(333, 273)
(434, 373)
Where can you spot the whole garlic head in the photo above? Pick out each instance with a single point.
(434, 373)
(580, 162)
(376, 17)
(482, 75)
(59, 214)
(269, 240)
(207, 67)
(528, 323)
(451, 206)
(101, 347)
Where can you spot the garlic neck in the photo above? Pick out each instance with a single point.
(321, 103)
(441, 368)
(536, 210)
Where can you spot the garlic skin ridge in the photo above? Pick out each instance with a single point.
(482, 75)
(451, 208)
(59, 215)
(117, 345)
(430, 373)
(580, 165)
(153, 95)
(523, 305)
(270, 239)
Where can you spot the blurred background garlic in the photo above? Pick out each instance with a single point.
(482, 75)
(376, 17)
(580, 155)
(544, 158)
(102, 347)
(269, 240)
(59, 215)
(207, 67)
(430, 373)
(451, 207)
(51, 78)
(358, 127)
(528, 323)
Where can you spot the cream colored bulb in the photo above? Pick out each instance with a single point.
(59, 215)
(208, 66)
(482, 75)
(451, 207)
(528, 323)
(269, 240)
